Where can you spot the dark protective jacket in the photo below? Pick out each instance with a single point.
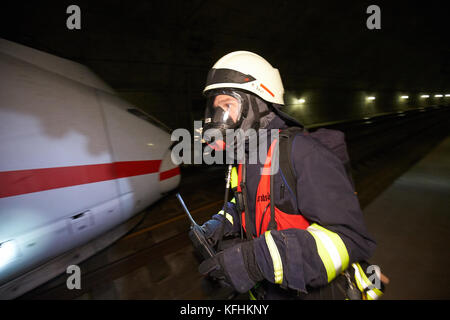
(307, 256)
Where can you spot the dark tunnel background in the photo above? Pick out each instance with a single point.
(156, 54)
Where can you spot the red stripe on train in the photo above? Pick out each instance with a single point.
(18, 182)
(169, 173)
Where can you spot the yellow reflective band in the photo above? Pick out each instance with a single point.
(228, 216)
(233, 200)
(361, 276)
(358, 277)
(338, 244)
(331, 249)
(363, 283)
(276, 259)
(252, 297)
(325, 257)
(374, 294)
(234, 178)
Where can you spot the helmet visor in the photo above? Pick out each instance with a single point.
(227, 76)
(223, 110)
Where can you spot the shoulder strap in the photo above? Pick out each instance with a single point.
(272, 222)
(286, 140)
(245, 199)
(285, 161)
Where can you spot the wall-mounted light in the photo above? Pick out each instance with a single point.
(447, 94)
(425, 96)
(438, 95)
(301, 100)
(404, 97)
(371, 98)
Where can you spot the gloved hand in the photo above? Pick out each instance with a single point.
(212, 228)
(235, 266)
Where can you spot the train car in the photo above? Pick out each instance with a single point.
(75, 160)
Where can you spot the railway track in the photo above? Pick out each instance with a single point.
(172, 242)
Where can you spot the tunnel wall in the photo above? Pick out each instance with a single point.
(180, 109)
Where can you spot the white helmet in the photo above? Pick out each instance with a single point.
(247, 71)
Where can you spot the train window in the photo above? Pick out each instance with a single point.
(138, 113)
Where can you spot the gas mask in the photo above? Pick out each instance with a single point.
(227, 111)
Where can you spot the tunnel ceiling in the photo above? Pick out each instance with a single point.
(169, 45)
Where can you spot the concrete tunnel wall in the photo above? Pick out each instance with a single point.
(179, 110)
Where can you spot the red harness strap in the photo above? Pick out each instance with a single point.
(262, 208)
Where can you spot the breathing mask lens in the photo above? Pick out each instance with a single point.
(223, 110)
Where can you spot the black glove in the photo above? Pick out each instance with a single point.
(211, 229)
(217, 227)
(235, 266)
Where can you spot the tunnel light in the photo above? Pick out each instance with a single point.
(370, 98)
(8, 252)
(301, 100)
(438, 95)
(404, 97)
(447, 94)
(425, 96)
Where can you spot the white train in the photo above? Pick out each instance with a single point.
(75, 160)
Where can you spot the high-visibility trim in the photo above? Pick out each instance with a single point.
(228, 216)
(374, 294)
(276, 258)
(265, 88)
(239, 180)
(324, 256)
(233, 200)
(234, 178)
(364, 283)
(361, 280)
(331, 249)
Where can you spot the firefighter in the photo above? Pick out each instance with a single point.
(317, 231)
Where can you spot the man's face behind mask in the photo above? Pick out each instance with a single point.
(230, 106)
(224, 110)
(228, 110)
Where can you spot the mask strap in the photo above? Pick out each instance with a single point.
(256, 114)
(264, 113)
